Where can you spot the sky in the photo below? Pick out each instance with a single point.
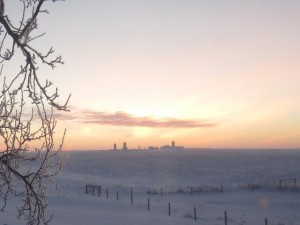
(202, 73)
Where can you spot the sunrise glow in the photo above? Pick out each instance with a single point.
(219, 74)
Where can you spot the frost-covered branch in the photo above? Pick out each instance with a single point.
(29, 156)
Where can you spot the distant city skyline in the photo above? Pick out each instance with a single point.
(219, 74)
(124, 147)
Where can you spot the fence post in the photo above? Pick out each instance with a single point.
(117, 196)
(131, 195)
(225, 217)
(266, 221)
(148, 204)
(86, 189)
(169, 209)
(99, 191)
(93, 190)
(106, 193)
(195, 214)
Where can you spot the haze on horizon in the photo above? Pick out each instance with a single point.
(221, 74)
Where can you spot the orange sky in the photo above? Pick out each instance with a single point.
(222, 74)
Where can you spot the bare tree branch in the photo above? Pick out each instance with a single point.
(20, 38)
(28, 154)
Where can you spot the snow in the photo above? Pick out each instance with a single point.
(174, 172)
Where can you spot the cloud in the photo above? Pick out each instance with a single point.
(128, 120)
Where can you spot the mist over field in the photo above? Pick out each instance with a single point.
(244, 183)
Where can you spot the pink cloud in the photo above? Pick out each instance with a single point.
(125, 119)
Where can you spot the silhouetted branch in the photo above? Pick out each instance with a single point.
(28, 154)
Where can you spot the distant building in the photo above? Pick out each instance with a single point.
(172, 147)
(115, 147)
(124, 147)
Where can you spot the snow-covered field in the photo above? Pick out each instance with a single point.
(175, 173)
